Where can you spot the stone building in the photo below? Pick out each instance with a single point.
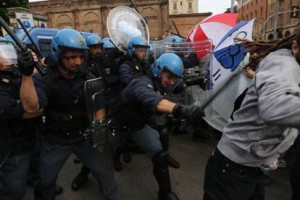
(274, 18)
(86, 15)
(39, 20)
(183, 7)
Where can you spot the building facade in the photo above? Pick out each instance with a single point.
(39, 20)
(274, 18)
(177, 7)
(91, 15)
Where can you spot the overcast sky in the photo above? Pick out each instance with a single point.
(214, 6)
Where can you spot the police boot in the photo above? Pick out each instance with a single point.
(80, 179)
(126, 152)
(117, 157)
(164, 140)
(172, 162)
(38, 195)
(127, 157)
(117, 163)
(161, 173)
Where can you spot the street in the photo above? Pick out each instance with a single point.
(136, 181)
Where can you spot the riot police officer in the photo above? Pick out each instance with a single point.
(139, 101)
(61, 94)
(17, 123)
(102, 65)
(135, 64)
(134, 60)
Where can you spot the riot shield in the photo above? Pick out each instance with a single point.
(123, 23)
(94, 92)
(5, 139)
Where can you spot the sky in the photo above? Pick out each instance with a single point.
(214, 6)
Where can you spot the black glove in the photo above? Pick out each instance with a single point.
(196, 81)
(192, 113)
(26, 62)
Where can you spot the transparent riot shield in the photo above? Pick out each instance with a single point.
(101, 135)
(198, 54)
(196, 57)
(123, 23)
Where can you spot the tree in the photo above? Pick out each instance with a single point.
(4, 4)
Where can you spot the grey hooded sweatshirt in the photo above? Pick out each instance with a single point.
(263, 126)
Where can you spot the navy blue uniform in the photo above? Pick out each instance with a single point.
(138, 103)
(105, 66)
(17, 138)
(129, 69)
(66, 120)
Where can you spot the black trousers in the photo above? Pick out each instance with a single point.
(226, 180)
(295, 175)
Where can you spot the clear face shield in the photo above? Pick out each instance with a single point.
(141, 52)
(8, 54)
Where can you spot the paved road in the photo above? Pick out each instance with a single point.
(136, 181)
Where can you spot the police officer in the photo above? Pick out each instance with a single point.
(178, 47)
(17, 123)
(102, 65)
(134, 65)
(139, 101)
(134, 60)
(61, 94)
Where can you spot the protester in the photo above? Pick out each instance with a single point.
(262, 127)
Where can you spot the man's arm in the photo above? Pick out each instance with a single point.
(165, 106)
(28, 95)
(27, 115)
(276, 82)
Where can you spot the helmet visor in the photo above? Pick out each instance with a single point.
(8, 55)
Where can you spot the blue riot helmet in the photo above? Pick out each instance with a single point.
(176, 47)
(8, 54)
(107, 44)
(170, 62)
(175, 38)
(94, 39)
(66, 39)
(134, 42)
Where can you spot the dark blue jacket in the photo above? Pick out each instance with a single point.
(64, 101)
(21, 131)
(138, 102)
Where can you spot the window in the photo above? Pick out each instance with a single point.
(174, 6)
(190, 6)
(45, 46)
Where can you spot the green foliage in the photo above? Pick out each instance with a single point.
(4, 4)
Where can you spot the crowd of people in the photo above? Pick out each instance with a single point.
(92, 90)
